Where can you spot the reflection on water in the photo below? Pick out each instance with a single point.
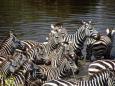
(31, 19)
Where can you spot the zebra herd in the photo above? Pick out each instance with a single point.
(52, 63)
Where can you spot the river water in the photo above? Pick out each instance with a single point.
(31, 19)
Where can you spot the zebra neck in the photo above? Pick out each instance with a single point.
(64, 69)
(7, 50)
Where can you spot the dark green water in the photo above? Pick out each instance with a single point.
(31, 19)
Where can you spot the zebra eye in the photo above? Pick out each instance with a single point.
(71, 63)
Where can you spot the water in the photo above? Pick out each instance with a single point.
(31, 19)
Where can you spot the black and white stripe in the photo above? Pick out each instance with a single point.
(65, 68)
(9, 46)
(105, 78)
(79, 37)
(100, 65)
(36, 54)
(12, 64)
(100, 48)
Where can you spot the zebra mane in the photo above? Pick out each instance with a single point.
(6, 38)
(58, 24)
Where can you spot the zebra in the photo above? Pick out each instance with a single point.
(39, 51)
(11, 64)
(65, 50)
(104, 78)
(9, 45)
(100, 48)
(45, 49)
(59, 27)
(28, 44)
(100, 65)
(110, 32)
(79, 37)
(63, 71)
(65, 67)
(36, 55)
(50, 45)
(20, 75)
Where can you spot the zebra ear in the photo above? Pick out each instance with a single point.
(52, 26)
(45, 42)
(11, 33)
(113, 31)
(107, 31)
(52, 31)
(83, 22)
(46, 38)
(90, 22)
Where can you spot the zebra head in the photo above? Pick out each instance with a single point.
(69, 55)
(89, 29)
(33, 71)
(57, 26)
(54, 37)
(17, 61)
(15, 43)
(68, 49)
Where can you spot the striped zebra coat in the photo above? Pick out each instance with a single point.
(78, 38)
(101, 65)
(62, 64)
(40, 51)
(65, 70)
(9, 45)
(21, 75)
(105, 78)
(12, 63)
(100, 48)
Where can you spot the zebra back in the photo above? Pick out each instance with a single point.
(9, 45)
(28, 44)
(105, 78)
(101, 65)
